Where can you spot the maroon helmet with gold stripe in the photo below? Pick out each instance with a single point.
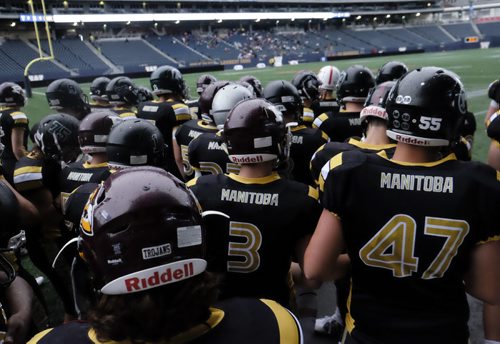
(141, 229)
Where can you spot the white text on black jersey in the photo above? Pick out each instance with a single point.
(259, 198)
(413, 182)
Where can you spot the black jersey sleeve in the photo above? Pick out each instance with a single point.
(488, 201)
(494, 127)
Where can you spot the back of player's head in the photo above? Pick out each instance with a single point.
(354, 84)
(375, 101)
(225, 99)
(307, 84)
(94, 130)
(203, 82)
(122, 91)
(67, 95)
(11, 94)
(285, 97)
(135, 142)
(255, 132)
(168, 80)
(57, 137)
(328, 76)
(391, 71)
(206, 99)
(142, 229)
(426, 107)
(255, 83)
(98, 88)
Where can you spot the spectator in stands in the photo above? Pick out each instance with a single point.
(165, 236)
(66, 96)
(14, 127)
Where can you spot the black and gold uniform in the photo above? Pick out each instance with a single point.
(325, 106)
(193, 105)
(409, 254)
(268, 217)
(166, 115)
(34, 171)
(305, 141)
(11, 118)
(340, 126)
(185, 134)
(463, 148)
(207, 155)
(124, 113)
(329, 150)
(94, 107)
(79, 173)
(244, 321)
(307, 117)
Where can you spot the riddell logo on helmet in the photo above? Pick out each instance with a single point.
(247, 159)
(170, 275)
(412, 140)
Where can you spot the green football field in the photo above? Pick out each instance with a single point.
(476, 67)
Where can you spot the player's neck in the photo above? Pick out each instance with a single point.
(353, 107)
(98, 158)
(376, 135)
(415, 154)
(256, 170)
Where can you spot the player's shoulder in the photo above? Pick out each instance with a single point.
(72, 332)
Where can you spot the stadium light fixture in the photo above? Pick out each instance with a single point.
(101, 3)
(128, 22)
(325, 19)
(277, 22)
(219, 21)
(388, 16)
(418, 14)
(358, 17)
(75, 24)
(177, 21)
(257, 20)
(293, 19)
(13, 24)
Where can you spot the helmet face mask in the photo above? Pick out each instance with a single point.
(141, 229)
(285, 97)
(122, 91)
(167, 80)
(255, 83)
(307, 84)
(426, 107)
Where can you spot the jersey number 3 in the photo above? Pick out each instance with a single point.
(248, 249)
(393, 247)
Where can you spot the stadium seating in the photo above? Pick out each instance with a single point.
(179, 52)
(460, 31)
(432, 33)
(489, 29)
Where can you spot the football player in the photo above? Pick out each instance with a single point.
(169, 111)
(65, 96)
(15, 127)
(307, 83)
(270, 218)
(206, 153)
(202, 83)
(390, 71)
(328, 76)
(123, 96)
(147, 259)
(98, 98)
(374, 124)
(493, 131)
(435, 229)
(352, 89)
(304, 141)
(255, 83)
(494, 150)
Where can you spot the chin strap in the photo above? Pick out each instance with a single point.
(77, 240)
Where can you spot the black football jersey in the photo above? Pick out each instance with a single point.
(193, 108)
(340, 126)
(243, 321)
(185, 134)
(33, 171)
(267, 218)
(307, 116)
(463, 148)
(329, 150)
(79, 173)
(166, 116)
(95, 107)
(10, 119)
(410, 230)
(207, 154)
(325, 106)
(125, 113)
(305, 141)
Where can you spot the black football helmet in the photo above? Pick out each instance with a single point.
(255, 83)
(203, 81)
(285, 97)
(67, 94)
(94, 130)
(494, 91)
(307, 83)
(144, 94)
(135, 142)
(140, 229)
(12, 94)
(391, 71)
(98, 88)
(57, 137)
(426, 107)
(122, 90)
(207, 98)
(225, 99)
(168, 80)
(375, 101)
(354, 84)
(255, 132)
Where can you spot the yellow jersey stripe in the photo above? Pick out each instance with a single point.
(262, 180)
(490, 239)
(39, 336)
(191, 182)
(349, 321)
(288, 328)
(313, 193)
(330, 165)
(127, 115)
(27, 169)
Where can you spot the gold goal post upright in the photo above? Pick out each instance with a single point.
(39, 44)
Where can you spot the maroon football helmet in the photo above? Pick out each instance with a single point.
(206, 99)
(254, 82)
(203, 82)
(375, 102)
(94, 130)
(255, 132)
(140, 229)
